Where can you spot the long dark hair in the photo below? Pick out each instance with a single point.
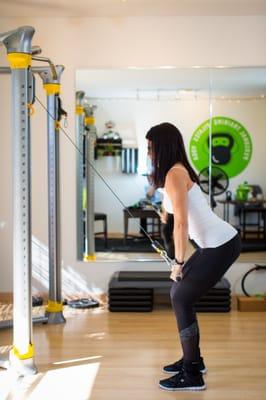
(167, 148)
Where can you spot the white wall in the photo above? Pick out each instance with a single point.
(107, 42)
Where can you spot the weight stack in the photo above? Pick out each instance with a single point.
(217, 299)
(130, 299)
(135, 291)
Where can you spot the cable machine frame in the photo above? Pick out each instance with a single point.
(20, 54)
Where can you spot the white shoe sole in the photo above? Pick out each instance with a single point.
(203, 371)
(185, 389)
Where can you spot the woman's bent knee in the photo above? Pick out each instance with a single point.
(178, 295)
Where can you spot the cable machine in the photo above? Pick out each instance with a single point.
(51, 83)
(20, 53)
(80, 171)
(90, 140)
(85, 143)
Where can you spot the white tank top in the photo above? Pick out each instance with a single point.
(204, 226)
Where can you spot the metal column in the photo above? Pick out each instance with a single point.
(79, 179)
(18, 44)
(51, 83)
(89, 151)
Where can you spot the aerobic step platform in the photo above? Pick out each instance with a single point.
(135, 290)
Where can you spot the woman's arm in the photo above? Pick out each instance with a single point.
(150, 191)
(176, 186)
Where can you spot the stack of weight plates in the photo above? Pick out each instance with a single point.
(130, 299)
(217, 299)
(134, 291)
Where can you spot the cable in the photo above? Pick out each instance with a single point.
(156, 245)
(256, 268)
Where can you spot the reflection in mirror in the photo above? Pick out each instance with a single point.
(238, 147)
(114, 113)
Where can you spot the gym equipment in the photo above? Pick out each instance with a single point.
(83, 303)
(51, 80)
(90, 142)
(257, 267)
(37, 301)
(215, 186)
(86, 139)
(136, 290)
(51, 83)
(79, 168)
(163, 253)
(19, 54)
(255, 302)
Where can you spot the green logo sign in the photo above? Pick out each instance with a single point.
(231, 146)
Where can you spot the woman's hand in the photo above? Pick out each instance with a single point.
(176, 271)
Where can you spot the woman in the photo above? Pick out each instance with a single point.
(218, 243)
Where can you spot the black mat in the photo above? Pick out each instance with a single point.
(250, 245)
(133, 245)
(142, 245)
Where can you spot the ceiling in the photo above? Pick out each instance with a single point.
(167, 82)
(130, 8)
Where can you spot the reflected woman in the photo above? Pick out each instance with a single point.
(218, 243)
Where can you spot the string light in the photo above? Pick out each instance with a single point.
(139, 96)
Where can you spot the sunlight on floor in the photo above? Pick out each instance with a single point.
(97, 336)
(75, 382)
(76, 360)
(5, 349)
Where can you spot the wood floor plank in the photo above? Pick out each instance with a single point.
(98, 355)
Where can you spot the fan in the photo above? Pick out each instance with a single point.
(219, 182)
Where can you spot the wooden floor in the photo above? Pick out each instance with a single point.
(99, 355)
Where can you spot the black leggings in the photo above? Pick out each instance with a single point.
(200, 273)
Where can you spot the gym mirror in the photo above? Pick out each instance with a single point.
(115, 109)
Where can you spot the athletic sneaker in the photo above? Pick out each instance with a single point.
(177, 366)
(183, 381)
